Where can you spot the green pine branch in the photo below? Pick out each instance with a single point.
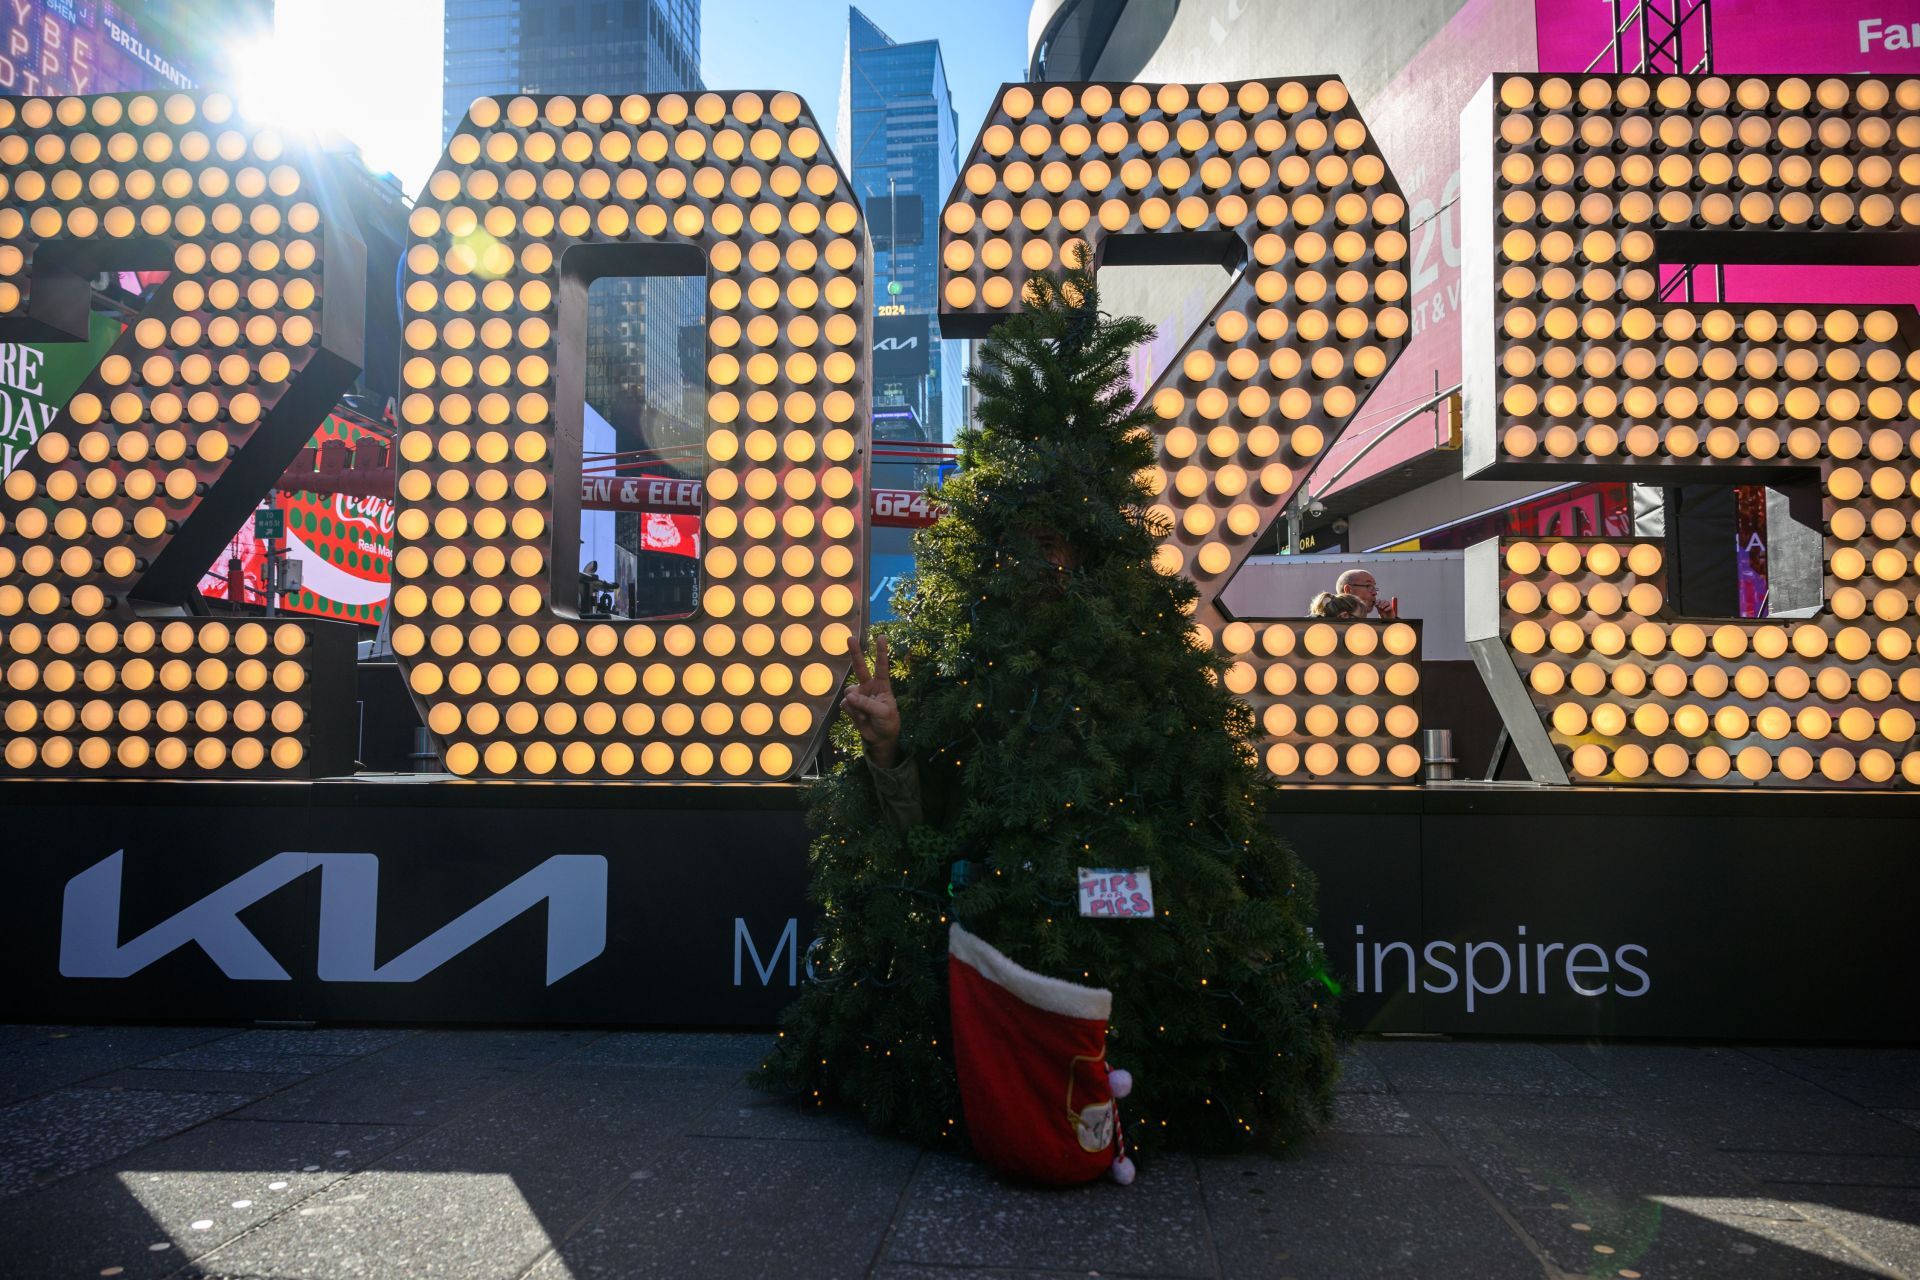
(1055, 701)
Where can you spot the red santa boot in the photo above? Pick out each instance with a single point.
(1031, 1055)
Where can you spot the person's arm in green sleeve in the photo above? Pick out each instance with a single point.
(875, 713)
(898, 790)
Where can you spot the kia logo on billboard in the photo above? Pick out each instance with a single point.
(573, 886)
(901, 345)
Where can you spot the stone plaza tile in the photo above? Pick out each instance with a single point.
(915, 1271)
(1840, 1170)
(1870, 1077)
(739, 1053)
(173, 1080)
(1371, 1114)
(1737, 1123)
(1678, 1240)
(564, 1155)
(1685, 1073)
(213, 1058)
(958, 1213)
(316, 1040)
(1322, 1218)
(60, 1133)
(33, 1034)
(68, 1056)
(487, 1194)
(1357, 1072)
(1453, 1066)
(1598, 1185)
(745, 1112)
(727, 1209)
(522, 1050)
(378, 1091)
(1882, 1223)
(136, 1044)
(147, 1211)
(653, 1105)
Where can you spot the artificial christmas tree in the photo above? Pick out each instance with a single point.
(1056, 715)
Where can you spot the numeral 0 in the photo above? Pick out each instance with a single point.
(532, 202)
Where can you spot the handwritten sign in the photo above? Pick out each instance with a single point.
(1113, 894)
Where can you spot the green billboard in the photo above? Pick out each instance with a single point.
(37, 379)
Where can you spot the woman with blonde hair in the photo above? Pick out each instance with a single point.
(1333, 604)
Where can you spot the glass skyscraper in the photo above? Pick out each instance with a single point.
(567, 46)
(899, 136)
(645, 337)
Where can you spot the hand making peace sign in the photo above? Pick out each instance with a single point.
(870, 704)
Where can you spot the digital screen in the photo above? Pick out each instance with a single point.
(55, 47)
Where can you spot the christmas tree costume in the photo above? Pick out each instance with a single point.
(1057, 714)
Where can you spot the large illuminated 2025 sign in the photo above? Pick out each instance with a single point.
(1576, 193)
(1282, 179)
(203, 401)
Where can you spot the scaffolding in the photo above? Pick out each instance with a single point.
(1667, 38)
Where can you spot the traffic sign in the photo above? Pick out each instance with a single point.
(269, 523)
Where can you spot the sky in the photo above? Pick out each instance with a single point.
(372, 67)
(750, 44)
(369, 67)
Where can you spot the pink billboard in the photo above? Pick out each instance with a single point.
(1416, 119)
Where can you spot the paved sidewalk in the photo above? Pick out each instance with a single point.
(324, 1154)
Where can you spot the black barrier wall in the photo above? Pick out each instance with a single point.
(1450, 909)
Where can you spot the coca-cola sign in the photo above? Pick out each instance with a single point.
(344, 545)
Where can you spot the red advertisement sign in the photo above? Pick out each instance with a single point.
(904, 508)
(344, 545)
(674, 535)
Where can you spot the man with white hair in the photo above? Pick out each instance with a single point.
(1360, 584)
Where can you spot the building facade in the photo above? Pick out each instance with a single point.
(899, 137)
(645, 335)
